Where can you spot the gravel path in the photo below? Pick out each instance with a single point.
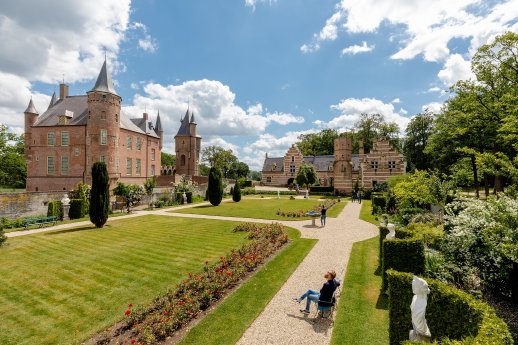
(281, 322)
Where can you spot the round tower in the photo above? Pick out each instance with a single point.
(103, 126)
(30, 115)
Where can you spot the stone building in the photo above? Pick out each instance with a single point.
(187, 146)
(340, 170)
(75, 131)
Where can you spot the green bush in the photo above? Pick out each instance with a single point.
(54, 209)
(3, 238)
(383, 233)
(403, 255)
(321, 189)
(245, 183)
(236, 193)
(99, 195)
(78, 209)
(453, 316)
(179, 197)
(215, 187)
(378, 203)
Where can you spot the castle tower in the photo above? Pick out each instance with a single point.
(187, 146)
(343, 168)
(159, 130)
(31, 115)
(103, 129)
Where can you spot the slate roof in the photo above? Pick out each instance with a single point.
(104, 81)
(31, 108)
(269, 161)
(184, 127)
(53, 100)
(158, 124)
(321, 163)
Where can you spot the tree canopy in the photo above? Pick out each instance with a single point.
(13, 170)
(167, 159)
(306, 175)
(418, 132)
(225, 160)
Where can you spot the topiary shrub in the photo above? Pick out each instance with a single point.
(236, 193)
(78, 209)
(99, 195)
(453, 316)
(321, 189)
(55, 209)
(403, 255)
(179, 197)
(383, 233)
(378, 203)
(215, 187)
(3, 238)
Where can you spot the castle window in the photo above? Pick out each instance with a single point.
(116, 117)
(137, 167)
(182, 160)
(64, 138)
(102, 159)
(330, 167)
(374, 165)
(152, 154)
(139, 143)
(293, 158)
(129, 143)
(152, 170)
(50, 165)
(268, 179)
(50, 139)
(76, 151)
(116, 165)
(103, 115)
(104, 136)
(37, 157)
(292, 169)
(64, 165)
(128, 166)
(104, 97)
(392, 164)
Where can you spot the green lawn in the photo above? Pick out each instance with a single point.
(63, 286)
(260, 209)
(365, 213)
(362, 316)
(227, 323)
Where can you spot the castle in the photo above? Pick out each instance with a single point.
(340, 170)
(75, 131)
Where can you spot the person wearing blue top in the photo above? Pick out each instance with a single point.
(325, 293)
(323, 215)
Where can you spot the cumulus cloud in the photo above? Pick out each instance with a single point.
(433, 107)
(357, 49)
(455, 69)
(254, 3)
(351, 108)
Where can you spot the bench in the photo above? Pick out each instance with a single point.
(39, 221)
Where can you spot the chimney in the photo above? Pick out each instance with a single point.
(360, 149)
(63, 91)
(145, 116)
(266, 154)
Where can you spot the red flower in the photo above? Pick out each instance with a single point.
(133, 341)
(130, 305)
(206, 262)
(127, 312)
(165, 313)
(180, 303)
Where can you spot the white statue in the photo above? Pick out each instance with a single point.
(184, 197)
(65, 200)
(392, 231)
(421, 332)
(278, 194)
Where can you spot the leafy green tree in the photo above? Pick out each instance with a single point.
(13, 170)
(220, 158)
(417, 133)
(306, 175)
(239, 169)
(82, 192)
(149, 185)
(99, 195)
(371, 127)
(215, 187)
(315, 144)
(255, 175)
(131, 193)
(204, 170)
(236, 193)
(167, 159)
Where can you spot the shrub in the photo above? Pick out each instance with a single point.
(78, 209)
(245, 183)
(403, 255)
(82, 191)
(3, 238)
(453, 316)
(236, 193)
(378, 203)
(321, 189)
(55, 209)
(215, 188)
(99, 195)
(179, 197)
(383, 233)
(430, 234)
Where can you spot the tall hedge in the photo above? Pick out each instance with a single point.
(78, 209)
(383, 233)
(403, 255)
(55, 208)
(99, 195)
(3, 238)
(236, 193)
(179, 197)
(453, 316)
(215, 188)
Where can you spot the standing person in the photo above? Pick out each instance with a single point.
(360, 196)
(353, 196)
(325, 293)
(323, 215)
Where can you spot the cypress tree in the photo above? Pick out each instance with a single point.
(215, 188)
(236, 193)
(99, 195)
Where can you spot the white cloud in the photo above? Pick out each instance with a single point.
(254, 3)
(396, 101)
(356, 49)
(434, 89)
(433, 107)
(455, 69)
(351, 108)
(148, 44)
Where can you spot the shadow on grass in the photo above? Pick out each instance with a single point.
(378, 271)
(382, 302)
(81, 228)
(320, 325)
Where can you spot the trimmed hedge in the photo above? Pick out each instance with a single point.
(402, 255)
(453, 316)
(78, 209)
(383, 233)
(378, 203)
(252, 190)
(321, 189)
(54, 209)
(179, 197)
(245, 184)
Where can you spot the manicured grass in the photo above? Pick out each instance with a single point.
(11, 190)
(61, 287)
(257, 208)
(365, 213)
(362, 315)
(227, 323)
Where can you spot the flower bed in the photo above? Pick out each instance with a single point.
(302, 213)
(170, 311)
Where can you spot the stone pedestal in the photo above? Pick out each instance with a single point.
(66, 208)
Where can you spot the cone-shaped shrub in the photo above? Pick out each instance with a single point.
(99, 195)
(236, 193)
(215, 188)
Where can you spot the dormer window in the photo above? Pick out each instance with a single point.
(293, 158)
(374, 165)
(274, 166)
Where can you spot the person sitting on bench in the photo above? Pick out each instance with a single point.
(325, 293)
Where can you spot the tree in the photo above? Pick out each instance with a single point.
(306, 175)
(149, 185)
(321, 143)
(220, 158)
(3, 238)
(99, 195)
(417, 133)
(131, 193)
(167, 159)
(371, 127)
(13, 170)
(215, 187)
(239, 169)
(236, 193)
(204, 170)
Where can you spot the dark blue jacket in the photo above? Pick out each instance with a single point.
(326, 293)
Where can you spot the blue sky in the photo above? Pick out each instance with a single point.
(257, 73)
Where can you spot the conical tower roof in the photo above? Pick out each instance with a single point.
(184, 127)
(52, 100)
(192, 118)
(104, 81)
(158, 124)
(31, 109)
